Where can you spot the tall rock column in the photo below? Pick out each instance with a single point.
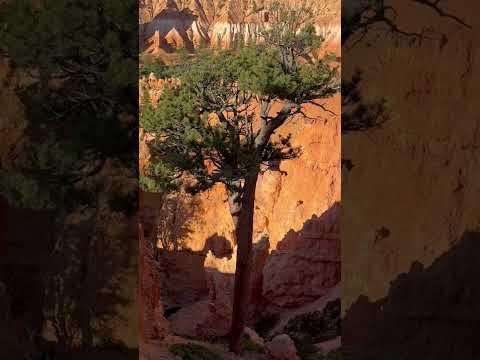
(153, 325)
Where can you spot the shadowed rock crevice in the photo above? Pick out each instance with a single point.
(429, 313)
(219, 246)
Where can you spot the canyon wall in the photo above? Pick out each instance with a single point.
(414, 187)
(167, 25)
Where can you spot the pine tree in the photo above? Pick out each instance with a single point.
(80, 59)
(217, 125)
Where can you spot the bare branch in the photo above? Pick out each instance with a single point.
(323, 107)
(380, 15)
(434, 5)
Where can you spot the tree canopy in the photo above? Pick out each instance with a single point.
(81, 61)
(216, 123)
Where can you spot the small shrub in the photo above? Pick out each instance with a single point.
(320, 326)
(249, 345)
(266, 324)
(125, 203)
(192, 351)
(154, 65)
(306, 349)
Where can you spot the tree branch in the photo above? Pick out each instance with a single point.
(268, 127)
(379, 16)
(323, 107)
(434, 5)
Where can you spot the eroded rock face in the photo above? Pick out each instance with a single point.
(417, 176)
(287, 317)
(182, 277)
(220, 305)
(306, 264)
(153, 325)
(189, 320)
(218, 23)
(220, 279)
(293, 279)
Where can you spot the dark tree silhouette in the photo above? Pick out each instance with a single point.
(80, 58)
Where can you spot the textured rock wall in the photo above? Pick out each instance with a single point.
(306, 264)
(418, 176)
(152, 324)
(167, 24)
(441, 302)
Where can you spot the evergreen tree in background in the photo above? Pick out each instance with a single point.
(218, 124)
(79, 60)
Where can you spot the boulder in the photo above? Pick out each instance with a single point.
(187, 320)
(330, 345)
(281, 347)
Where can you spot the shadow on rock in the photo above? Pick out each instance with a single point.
(429, 313)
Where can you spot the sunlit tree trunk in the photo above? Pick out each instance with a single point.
(243, 217)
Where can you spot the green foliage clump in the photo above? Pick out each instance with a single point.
(317, 325)
(192, 351)
(153, 65)
(249, 345)
(306, 348)
(74, 36)
(265, 324)
(23, 191)
(209, 118)
(89, 50)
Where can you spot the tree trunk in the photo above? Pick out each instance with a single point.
(51, 281)
(244, 234)
(86, 300)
